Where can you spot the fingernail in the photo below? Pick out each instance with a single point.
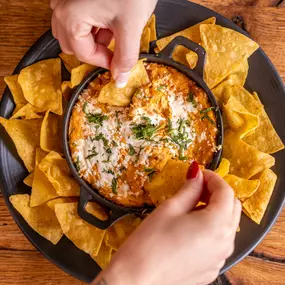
(193, 170)
(122, 79)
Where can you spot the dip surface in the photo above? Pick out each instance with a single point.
(118, 149)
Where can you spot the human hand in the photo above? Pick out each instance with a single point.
(178, 244)
(86, 27)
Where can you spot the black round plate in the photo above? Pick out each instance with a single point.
(172, 16)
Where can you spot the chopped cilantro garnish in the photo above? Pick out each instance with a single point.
(146, 130)
(191, 99)
(84, 107)
(114, 143)
(114, 185)
(132, 150)
(96, 118)
(100, 137)
(91, 155)
(159, 88)
(206, 111)
(109, 171)
(118, 121)
(77, 163)
(148, 170)
(206, 116)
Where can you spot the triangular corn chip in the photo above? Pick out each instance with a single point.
(256, 205)
(225, 49)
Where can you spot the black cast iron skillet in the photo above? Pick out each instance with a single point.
(87, 193)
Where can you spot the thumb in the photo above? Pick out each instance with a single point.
(191, 191)
(127, 45)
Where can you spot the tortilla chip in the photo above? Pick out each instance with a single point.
(28, 112)
(79, 73)
(243, 188)
(145, 40)
(42, 189)
(29, 179)
(104, 256)
(265, 138)
(256, 205)
(66, 91)
(238, 118)
(237, 77)
(112, 45)
(40, 154)
(26, 137)
(111, 95)
(121, 230)
(223, 168)
(97, 210)
(41, 84)
(85, 236)
(61, 200)
(192, 33)
(245, 160)
(245, 98)
(225, 48)
(166, 183)
(51, 133)
(69, 60)
(192, 59)
(152, 25)
(15, 89)
(41, 219)
(58, 173)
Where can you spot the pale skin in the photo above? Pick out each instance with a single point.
(178, 243)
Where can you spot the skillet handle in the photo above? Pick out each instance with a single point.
(85, 197)
(182, 41)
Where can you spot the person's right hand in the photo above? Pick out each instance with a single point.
(86, 27)
(178, 244)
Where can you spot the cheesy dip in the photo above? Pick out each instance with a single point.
(117, 150)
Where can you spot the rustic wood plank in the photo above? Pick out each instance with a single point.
(273, 246)
(255, 271)
(24, 267)
(12, 237)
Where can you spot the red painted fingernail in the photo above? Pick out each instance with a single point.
(192, 170)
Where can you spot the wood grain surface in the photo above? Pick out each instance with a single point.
(22, 23)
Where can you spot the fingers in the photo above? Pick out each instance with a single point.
(236, 213)
(221, 200)
(127, 38)
(103, 37)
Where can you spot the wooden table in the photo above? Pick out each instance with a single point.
(22, 23)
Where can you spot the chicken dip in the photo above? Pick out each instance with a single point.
(117, 150)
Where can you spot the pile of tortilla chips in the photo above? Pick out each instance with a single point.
(250, 138)
(35, 128)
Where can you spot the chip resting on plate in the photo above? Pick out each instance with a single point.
(245, 98)
(246, 161)
(192, 33)
(26, 137)
(104, 256)
(265, 138)
(42, 219)
(145, 40)
(40, 154)
(69, 60)
(16, 90)
(28, 112)
(223, 168)
(61, 200)
(237, 77)
(256, 205)
(120, 231)
(66, 91)
(111, 95)
(225, 49)
(166, 183)
(41, 84)
(51, 133)
(79, 73)
(85, 236)
(243, 188)
(238, 118)
(58, 173)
